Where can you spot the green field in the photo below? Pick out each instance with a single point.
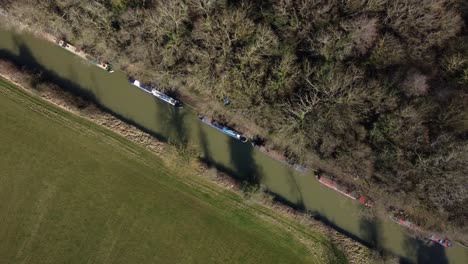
(73, 192)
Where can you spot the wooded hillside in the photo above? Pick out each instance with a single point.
(375, 89)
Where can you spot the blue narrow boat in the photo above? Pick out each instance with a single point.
(226, 130)
(153, 91)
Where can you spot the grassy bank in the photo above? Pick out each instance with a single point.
(72, 192)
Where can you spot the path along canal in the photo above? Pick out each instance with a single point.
(181, 125)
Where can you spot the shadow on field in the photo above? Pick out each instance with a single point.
(25, 60)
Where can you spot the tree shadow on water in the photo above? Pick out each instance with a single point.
(369, 231)
(206, 156)
(25, 60)
(243, 162)
(294, 197)
(172, 118)
(423, 252)
(242, 166)
(204, 144)
(368, 239)
(297, 205)
(416, 250)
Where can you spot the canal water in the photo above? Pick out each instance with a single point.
(302, 190)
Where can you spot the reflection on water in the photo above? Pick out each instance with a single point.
(181, 126)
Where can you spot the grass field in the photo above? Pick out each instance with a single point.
(73, 192)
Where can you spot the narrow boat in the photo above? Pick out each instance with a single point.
(343, 190)
(364, 200)
(105, 66)
(442, 241)
(149, 89)
(102, 65)
(226, 130)
(259, 144)
(399, 219)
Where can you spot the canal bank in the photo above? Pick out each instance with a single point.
(114, 93)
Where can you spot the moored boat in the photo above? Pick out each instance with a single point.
(166, 98)
(226, 130)
(401, 220)
(343, 190)
(149, 89)
(103, 65)
(140, 85)
(442, 241)
(364, 200)
(399, 217)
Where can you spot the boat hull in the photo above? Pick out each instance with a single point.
(67, 46)
(405, 223)
(441, 241)
(155, 92)
(230, 132)
(335, 186)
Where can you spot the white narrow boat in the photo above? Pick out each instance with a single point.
(153, 91)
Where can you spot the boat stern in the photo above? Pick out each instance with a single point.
(179, 104)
